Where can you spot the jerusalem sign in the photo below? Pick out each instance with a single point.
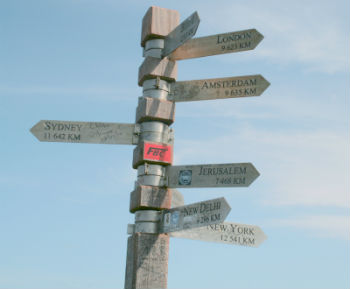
(213, 175)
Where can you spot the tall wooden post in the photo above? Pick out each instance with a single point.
(147, 254)
(164, 41)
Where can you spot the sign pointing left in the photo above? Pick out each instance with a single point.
(85, 132)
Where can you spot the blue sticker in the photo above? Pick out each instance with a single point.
(185, 177)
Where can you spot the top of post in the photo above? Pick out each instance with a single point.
(158, 23)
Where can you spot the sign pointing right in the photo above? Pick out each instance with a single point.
(218, 88)
(218, 44)
(214, 175)
(228, 233)
(194, 215)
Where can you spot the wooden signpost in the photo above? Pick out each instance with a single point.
(159, 209)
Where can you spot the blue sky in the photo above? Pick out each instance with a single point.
(64, 207)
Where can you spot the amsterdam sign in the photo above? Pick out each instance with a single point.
(216, 88)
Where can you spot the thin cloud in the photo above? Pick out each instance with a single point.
(310, 33)
(294, 104)
(307, 168)
(328, 226)
(91, 92)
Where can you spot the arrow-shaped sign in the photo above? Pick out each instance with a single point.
(228, 233)
(86, 132)
(181, 34)
(215, 175)
(216, 88)
(218, 44)
(194, 215)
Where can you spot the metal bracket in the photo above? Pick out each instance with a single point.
(156, 88)
(157, 82)
(145, 222)
(153, 48)
(147, 216)
(155, 132)
(150, 169)
(147, 227)
(170, 95)
(136, 134)
(171, 136)
(166, 181)
(146, 171)
(152, 180)
(152, 84)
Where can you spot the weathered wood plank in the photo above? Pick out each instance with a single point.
(218, 88)
(153, 109)
(218, 44)
(158, 22)
(147, 261)
(154, 67)
(150, 198)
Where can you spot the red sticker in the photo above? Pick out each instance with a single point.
(156, 152)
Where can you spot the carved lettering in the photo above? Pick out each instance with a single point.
(69, 137)
(205, 207)
(215, 217)
(233, 37)
(96, 125)
(204, 171)
(240, 240)
(229, 84)
(62, 126)
(189, 211)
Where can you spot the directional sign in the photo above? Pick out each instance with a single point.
(228, 233)
(218, 44)
(85, 132)
(181, 34)
(229, 87)
(194, 215)
(216, 175)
